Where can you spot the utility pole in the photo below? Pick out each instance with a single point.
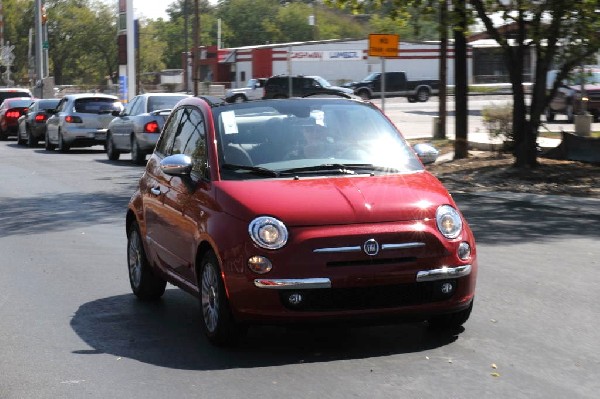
(440, 131)
(196, 50)
(39, 59)
(186, 47)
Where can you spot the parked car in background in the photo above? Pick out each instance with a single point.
(581, 91)
(12, 92)
(137, 127)
(297, 210)
(302, 86)
(32, 125)
(80, 120)
(397, 84)
(252, 91)
(11, 110)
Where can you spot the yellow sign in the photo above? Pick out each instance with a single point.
(381, 45)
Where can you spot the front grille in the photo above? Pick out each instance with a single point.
(362, 298)
(372, 262)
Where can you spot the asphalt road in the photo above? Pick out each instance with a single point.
(70, 327)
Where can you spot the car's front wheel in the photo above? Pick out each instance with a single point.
(138, 157)
(240, 98)
(423, 95)
(62, 145)
(111, 151)
(31, 140)
(364, 94)
(145, 284)
(217, 321)
(47, 144)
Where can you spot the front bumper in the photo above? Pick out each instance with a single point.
(443, 273)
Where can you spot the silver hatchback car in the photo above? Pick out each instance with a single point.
(80, 120)
(137, 127)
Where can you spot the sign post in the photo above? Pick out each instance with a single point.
(383, 45)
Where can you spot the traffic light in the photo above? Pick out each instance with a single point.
(44, 15)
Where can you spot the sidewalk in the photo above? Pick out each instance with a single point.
(419, 123)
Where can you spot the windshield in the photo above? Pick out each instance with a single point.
(322, 82)
(371, 77)
(156, 103)
(590, 78)
(309, 137)
(96, 105)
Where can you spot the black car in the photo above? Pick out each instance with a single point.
(302, 86)
(32, 125)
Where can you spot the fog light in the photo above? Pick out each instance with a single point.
(295, 298)
(259, 264)
(464, 251)
(447, 288)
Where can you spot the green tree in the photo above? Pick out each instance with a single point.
(563, 34)
(82, 38)
(18, 18)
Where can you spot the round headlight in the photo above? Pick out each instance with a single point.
(268, 232)
(448, 221)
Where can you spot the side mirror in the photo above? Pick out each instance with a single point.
(116, 113)
(176, 165)
(426, 152)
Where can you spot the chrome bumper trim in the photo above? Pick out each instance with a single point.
(443, 273)
(358, 248)
(292, 283)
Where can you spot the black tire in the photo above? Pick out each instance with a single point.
(3, 136)
(47, 144)
(549, 115)
(364, 94)
(217, 321)
(138, 156)
(411, 99)
(144, 283)
(62, 146)
(423, 95)
(111, 152)
(240, 98)
(451, 321)
(20, 141)
(31, 140)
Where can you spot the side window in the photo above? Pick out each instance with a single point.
(165, 142)
(61, 105)
(191, 139)
(130, 106)
(138, 107)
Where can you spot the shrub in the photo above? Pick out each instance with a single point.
(498, 121)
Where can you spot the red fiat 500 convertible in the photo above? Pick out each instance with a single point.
(297, 210)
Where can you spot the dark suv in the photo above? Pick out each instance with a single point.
(279, 87)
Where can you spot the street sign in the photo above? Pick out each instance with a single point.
(383, 45)
(45, 44)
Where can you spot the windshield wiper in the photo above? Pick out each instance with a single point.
(256, 169)
(338, 168)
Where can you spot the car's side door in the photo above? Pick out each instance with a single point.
(178, 218)
(54, 120)
(118, 128)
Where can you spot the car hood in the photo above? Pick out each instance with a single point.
(335, 200)
(342, 89)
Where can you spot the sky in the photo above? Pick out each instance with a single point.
(153, 9)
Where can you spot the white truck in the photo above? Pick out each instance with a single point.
(252, 91)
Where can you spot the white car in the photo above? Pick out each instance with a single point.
(252, 91)
(80, 120)
(137, 127)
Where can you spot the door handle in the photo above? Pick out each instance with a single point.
(155, 190)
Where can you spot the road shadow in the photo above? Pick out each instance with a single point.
(502, 221)
(167, 333)
(61, 211)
